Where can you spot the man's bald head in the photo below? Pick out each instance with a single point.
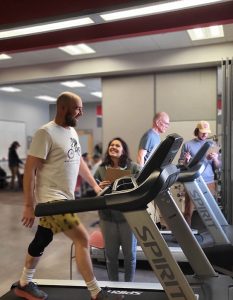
(69, 109)
(65, 98)
(161, 122)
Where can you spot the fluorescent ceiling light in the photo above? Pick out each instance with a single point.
(154, 9)
(77, 49)
(97, 94)
(59, 25)
(216, 31)
(4, 56)
(46, 98)
(10, 89)
(73, 83)
(211, 32)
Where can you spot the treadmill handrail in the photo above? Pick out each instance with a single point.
(196, 166)
(187, 175)
(161, 157)
(126, 200)
(200, 155)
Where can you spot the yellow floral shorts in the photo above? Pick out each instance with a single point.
(59, 223)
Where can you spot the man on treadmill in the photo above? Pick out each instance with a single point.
(51, 171)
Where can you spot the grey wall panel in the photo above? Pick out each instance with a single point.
(128, 108)
(187, 95)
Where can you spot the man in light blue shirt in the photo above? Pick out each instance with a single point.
(189, 149)
(148, 143)
(151, 138)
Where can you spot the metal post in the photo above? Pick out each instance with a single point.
(227, 144)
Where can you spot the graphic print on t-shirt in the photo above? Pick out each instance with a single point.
(74, 148)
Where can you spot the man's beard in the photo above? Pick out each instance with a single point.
(70, 121)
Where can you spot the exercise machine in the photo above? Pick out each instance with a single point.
(206, 284)
(154, 184)
(216, 238)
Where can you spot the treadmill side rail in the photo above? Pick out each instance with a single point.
(184, 236)
(159, 256)
(206, 214)
(211, 201)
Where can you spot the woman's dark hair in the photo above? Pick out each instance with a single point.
(14, 145)
(124, 159)
(196, 131)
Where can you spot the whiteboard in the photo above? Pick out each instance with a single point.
(11, 131)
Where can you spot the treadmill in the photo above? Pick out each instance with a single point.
(216, 238)
(204, 284)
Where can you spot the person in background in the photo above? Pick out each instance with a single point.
(86, 189)
(98, 149)
(96, 162)
(148, 144)
(151, 138)
(116, 231)
(3, 178)
(86, 158)
(188, 150)
(51, 170)
(14, 163)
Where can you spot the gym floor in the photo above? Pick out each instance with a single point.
(55, 263)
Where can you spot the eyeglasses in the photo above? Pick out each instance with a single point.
(165, 123)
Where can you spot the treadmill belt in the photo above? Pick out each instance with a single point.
(74, 293)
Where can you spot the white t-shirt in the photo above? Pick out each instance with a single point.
(61, 151)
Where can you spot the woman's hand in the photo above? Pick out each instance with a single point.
(104, 183)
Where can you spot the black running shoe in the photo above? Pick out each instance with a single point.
(29, 291)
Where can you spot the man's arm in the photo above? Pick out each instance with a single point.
(85, 172)
(141, 156)
(31, 166)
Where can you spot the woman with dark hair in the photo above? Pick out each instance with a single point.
(115, 229)
(13, 162)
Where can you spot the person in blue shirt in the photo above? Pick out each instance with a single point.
(148, 144)
(151, 138)
(189, 149)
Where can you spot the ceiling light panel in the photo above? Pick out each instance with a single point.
(97, 94)
(211, 32)
(46, 98)
(77, 49)
(154, 9)
(73, 84)
(40, 28)
(4, 56)
(10, 89)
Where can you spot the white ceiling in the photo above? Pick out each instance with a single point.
(148, 43)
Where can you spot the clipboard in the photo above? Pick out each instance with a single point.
(112, 174)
